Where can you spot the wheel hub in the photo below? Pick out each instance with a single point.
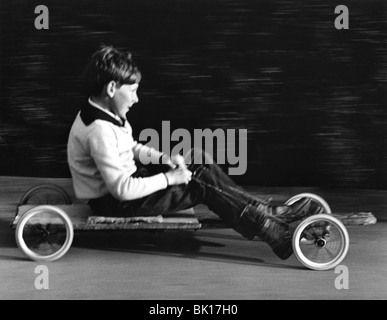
(321, 242)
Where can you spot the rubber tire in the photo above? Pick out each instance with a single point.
(28, 215)
(312, 196)
(320, 266)
(50, 187)
(40, 189)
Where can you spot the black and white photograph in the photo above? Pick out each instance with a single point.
(197, 155)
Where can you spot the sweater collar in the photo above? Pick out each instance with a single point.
(91, 112)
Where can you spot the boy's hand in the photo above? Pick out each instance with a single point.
(179, 161)
(174, 161)
(178, 176)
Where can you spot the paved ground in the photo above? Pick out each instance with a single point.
(207, 264)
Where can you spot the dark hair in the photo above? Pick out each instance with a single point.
(109, 64)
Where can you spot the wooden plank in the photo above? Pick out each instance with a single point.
(356, 218)
(143, 223)
(83, 218)
(84, 211)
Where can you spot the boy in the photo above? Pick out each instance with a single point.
(105, 165)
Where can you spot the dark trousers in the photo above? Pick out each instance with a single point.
(209, 186)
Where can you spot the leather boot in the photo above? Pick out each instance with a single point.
(270, 228)
(276, 225)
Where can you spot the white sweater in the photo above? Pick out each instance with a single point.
(101, 156)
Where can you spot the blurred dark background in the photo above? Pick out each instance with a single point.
(312, 98)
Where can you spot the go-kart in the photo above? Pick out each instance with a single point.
(46, 219)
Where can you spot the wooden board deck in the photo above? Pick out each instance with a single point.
(83, 218)
(136, 223)
(356, 218)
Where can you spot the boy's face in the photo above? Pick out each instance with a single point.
(124, 97)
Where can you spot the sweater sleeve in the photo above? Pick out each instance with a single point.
(102, 142)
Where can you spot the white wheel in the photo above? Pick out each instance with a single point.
(314, 197)
(44, 233)
(329, 244)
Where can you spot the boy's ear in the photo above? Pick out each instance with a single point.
(111, 89)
